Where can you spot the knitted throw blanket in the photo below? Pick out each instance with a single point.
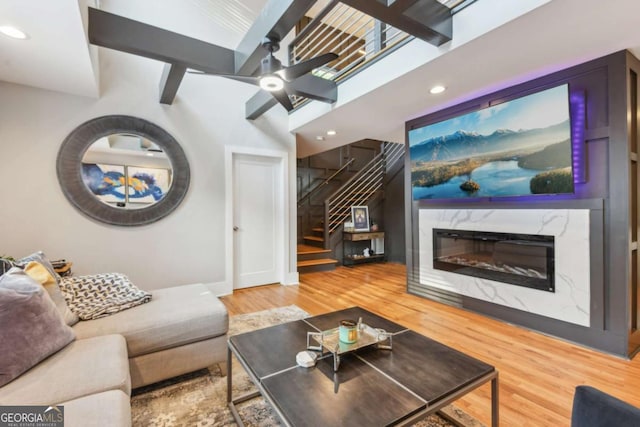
(99, 295)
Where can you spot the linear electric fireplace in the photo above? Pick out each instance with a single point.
(519, 259)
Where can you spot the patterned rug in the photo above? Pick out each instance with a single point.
(199, 399)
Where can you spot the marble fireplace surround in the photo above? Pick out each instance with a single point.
(571, 300)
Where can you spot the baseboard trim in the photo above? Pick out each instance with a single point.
(291, 278)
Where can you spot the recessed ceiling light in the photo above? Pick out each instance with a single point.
(12, 32)
(320, 138)
(437, 89)
(331, 132)
(150, 154)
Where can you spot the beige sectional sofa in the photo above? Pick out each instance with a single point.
(180, 330)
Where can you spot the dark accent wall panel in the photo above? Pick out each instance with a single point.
(617, 201)
(394, 217)
(634, 205)
(362, 155)
(331, 159)
(594, 85)
(604, 187)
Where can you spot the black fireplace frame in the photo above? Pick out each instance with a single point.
(547, 284)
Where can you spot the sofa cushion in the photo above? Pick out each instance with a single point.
(31, 327)
(41, 274)
(175, 316)
(108, 409)
(82, 368)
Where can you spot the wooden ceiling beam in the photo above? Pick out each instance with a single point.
(177, 51)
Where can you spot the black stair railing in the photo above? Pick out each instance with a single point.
(324, 182)
(360, 189)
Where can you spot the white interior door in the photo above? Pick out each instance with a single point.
(257, 220)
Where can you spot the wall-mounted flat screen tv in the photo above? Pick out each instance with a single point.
(520, 147)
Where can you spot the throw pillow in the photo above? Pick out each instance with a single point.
(42, 259)
(42, 275)
(99, 295)
(32, 329)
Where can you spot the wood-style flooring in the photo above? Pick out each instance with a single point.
(538, 373)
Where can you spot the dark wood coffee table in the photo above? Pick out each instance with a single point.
(372, 387)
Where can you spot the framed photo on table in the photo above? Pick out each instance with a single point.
(360, 218)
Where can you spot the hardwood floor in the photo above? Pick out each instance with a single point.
(538, 373)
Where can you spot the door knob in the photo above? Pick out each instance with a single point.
(236, 228)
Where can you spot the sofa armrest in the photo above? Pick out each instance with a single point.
(594, 408)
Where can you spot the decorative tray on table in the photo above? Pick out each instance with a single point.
(329, 341)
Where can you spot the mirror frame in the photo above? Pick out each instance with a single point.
(69, 170)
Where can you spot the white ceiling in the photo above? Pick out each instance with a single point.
(556, 35)
(56, 55)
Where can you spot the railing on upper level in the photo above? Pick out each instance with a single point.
(357, 38)
(360, 189)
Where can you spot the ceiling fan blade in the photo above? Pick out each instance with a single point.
(301, 68)
(244, 79)
(282, 97)
(314, 87)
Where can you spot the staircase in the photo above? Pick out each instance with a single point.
(363, 189)
(312, 258)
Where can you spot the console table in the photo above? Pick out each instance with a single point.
(352, 250)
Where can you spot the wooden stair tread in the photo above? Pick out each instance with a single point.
(319, 229)
(304, 249)
(317, 262)
(301, 247)
(314, 238)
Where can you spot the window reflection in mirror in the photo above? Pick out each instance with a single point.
(126, 171)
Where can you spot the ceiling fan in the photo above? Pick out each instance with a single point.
(181, 53)
(277, 79)
(246, 63)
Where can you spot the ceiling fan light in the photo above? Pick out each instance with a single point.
(271, 83)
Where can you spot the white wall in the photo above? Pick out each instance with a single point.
(185, 247)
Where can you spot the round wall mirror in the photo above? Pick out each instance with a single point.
(123, 170)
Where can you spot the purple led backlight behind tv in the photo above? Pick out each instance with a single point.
(578, 117)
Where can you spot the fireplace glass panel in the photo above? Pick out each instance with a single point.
(518, 259)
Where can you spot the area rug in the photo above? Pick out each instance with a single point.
(199, 399)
